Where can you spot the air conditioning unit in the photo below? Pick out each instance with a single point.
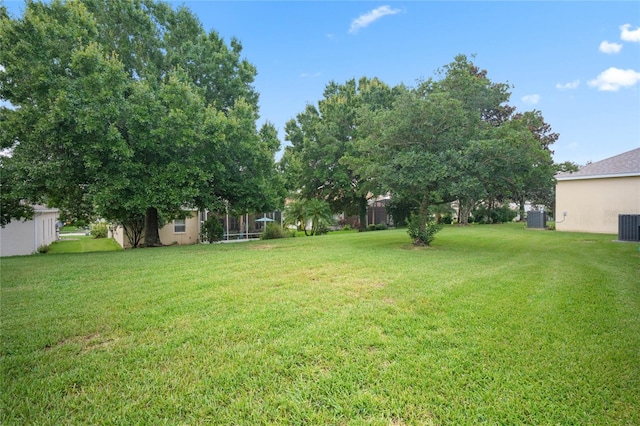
(629, 227)
(537, 219)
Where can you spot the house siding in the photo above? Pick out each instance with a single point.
(166, 233)
(593, 205)
(23, 238)
(190, 236)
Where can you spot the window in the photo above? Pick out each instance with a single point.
(179, 226)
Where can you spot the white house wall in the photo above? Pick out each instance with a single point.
(21, 238)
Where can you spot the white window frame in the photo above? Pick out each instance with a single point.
(179, 224)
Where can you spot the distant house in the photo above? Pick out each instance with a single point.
(177, 232)
(591, 199)
(188, 231)
(25, 237)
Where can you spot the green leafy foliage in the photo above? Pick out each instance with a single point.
(129, 108)
(302, 212)
(421, 233)
(453, 139)
(99, 230)
(377, 227)
(44, 249)
(323, 139)
(272, 231)
(212, 230)
(295, 214)
(493, 214)
(319, 213)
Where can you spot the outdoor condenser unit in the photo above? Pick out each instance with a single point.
(537, 219)
(629, 227)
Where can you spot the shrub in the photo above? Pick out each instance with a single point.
(322, 229)
(502, 214)
(99, 230)
(381, 226)
(346, 227)
(422, 237)
(44, 249)
(272, 231)
(371, 227)
(446, 219)
(212, 230)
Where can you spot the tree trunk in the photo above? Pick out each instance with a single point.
(133, 228)
(151, 235)
(521, 203)
(362, 210)
(424, 213)
(464, 209)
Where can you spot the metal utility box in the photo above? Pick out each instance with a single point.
(629, 227)
(537, 219)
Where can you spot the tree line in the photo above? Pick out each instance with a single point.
(130, 111)
(453, 138)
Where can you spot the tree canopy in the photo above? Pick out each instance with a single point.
(128, 109)
(452, 138)
(323, 136)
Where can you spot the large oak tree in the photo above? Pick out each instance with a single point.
(412, 148)
(129, 109)
(323, 136)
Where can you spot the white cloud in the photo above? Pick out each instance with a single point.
(310, 74)
(531, 99)
(568, 86)
(606, 47)
(629, 35)
(370, 17)
(613, 79)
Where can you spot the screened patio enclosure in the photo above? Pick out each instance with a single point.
(244, 227)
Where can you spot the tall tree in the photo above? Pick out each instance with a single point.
(539, 181)
(128, 108)
(411, 149)
(322, 137)
(485, 103)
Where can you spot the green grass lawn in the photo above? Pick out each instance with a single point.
(491, 325)
(83, 244)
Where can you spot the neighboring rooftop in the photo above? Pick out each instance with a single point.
(625, 164)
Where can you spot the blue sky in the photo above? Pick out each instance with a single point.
(576, 62)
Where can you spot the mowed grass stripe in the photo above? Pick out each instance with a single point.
(493, 324)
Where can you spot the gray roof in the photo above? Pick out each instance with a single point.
(625, 164)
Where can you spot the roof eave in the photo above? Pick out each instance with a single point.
(617, 175)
